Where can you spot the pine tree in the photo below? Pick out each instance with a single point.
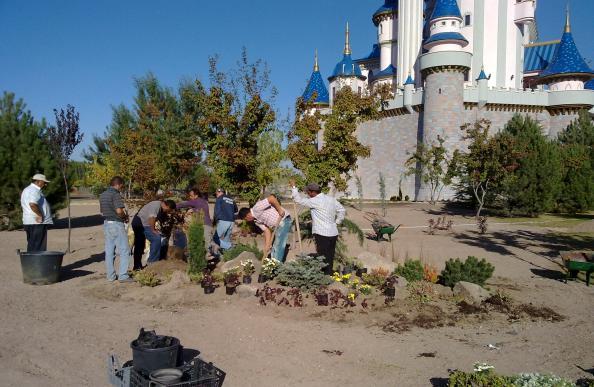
(535, 183)
(577, 151)
(23, 153)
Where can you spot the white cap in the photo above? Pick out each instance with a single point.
(40, 177)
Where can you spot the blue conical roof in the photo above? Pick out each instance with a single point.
(446, 8)
(567, 59)
(346, 68)
(388, 7)
(409, 80)
(316, 85)
(482, 76)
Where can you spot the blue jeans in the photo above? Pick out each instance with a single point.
(155, 249)
(224, 230)
(280, 239)
(116, 237)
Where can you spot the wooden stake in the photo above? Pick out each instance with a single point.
(298, 227)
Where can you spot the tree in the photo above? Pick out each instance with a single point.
(382, 191)
(336, 160)
(483, 167)
(230, 116)
(23, 153)
(62, 139)
(535, 183)
(577, 153)
(269, 158)
(432, 163)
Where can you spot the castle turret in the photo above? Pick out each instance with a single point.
(410, 38)
(347, 73)
(316, 90)
(483, 88)
(443, 68)
(567, 70)
(409, 87)
(385, 19)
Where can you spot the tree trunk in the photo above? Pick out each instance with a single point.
(68, 203)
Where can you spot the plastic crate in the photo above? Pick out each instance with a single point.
(197, 373)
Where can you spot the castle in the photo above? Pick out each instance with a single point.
(451, 62)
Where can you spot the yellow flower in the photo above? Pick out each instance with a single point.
(346, 277)
(351, 296)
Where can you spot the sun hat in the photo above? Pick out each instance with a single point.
(40, 177)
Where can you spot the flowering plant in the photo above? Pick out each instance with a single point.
(365, 289)
(231, 276)
(482, 367)
(344, 278)
(248, 267)
(269, 267)
(355, 283)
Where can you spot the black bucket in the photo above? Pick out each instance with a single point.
(152, 359)
(41, 267)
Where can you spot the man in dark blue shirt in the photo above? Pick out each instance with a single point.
(224, 216)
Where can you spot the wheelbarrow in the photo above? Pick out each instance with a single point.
(576, 261)
(382, 229)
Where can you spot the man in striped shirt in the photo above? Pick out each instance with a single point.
(326, 214)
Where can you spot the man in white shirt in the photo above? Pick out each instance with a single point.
(326, 214)
(36, 214)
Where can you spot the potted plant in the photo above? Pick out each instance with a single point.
(360, 269)
(248, 269)
(268, 271)
(388, 287)
(208, 283)
(321, 296)
(231, 278)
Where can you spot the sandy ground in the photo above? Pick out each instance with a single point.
(61, 334)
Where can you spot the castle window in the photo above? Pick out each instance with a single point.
(453, 24)
(334, 93)
(381, 29)
(359, 91)
(443, 23)
(467, 19)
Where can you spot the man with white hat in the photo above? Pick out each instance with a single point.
(36, 213)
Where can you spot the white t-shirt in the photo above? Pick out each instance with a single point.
(33, 194)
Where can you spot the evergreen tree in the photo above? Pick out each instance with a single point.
(23, 153)
(577, 150)
(535, 183)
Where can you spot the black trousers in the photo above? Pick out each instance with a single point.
(326, 246)
(36, 237)
(139, 242)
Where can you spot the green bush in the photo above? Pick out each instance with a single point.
(471, 270)
(234, 252)
(535, 379)
(304, 273)
(196, 246)
(146, 278)
(412, 270)
(479, 379)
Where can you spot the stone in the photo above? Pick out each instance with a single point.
(244, 256)
(372, 261)
(401, 282)
(472, 293)
(246, 290)
(443, 291)
(339, 286)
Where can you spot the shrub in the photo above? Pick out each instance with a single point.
(196, 278)
(478, 379)
(471, 270)
(196, 246)
(412, 270)
(535, 379)
(430, 273)
(377, 277)
(304, 273)
(234, 252)
(146, 278)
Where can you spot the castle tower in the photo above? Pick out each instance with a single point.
(567, 70)
(410, 38)
(385, 19)
(443, 68)
(347, 73)
(316, 88)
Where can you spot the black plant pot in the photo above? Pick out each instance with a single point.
(322, 299)
(262, 278)
(209, 289)
(229, 290)
(360, 272)
(247, 279)
(347, 270)
(390, 292)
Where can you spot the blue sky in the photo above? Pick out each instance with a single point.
(86, 53)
